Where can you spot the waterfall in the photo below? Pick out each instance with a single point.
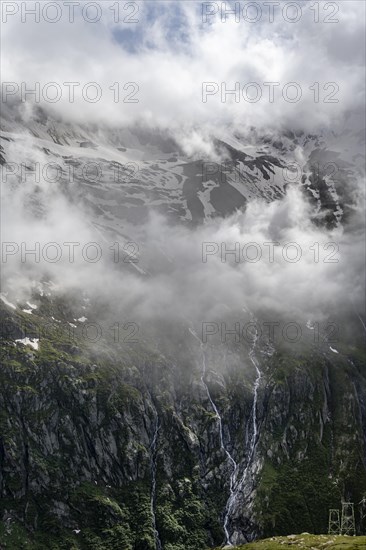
(253, 441)
(358, 315)
(235, 488)
(362, 323)
(153, 460)
(233, 464)
(257, 382)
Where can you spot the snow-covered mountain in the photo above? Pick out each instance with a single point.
(122, 175)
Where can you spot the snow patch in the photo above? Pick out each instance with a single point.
(33, 342)
(6, 302)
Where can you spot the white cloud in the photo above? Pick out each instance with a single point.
(169, 74)
(174, 55)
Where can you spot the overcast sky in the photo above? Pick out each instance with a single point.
(170, 48)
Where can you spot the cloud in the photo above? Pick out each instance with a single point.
(245, 260)
(171, 52)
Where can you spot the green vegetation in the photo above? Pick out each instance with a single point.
(77, 423)
(305, 540)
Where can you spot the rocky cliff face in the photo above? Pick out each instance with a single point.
(131, 447)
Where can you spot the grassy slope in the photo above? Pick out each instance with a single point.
(312, 542)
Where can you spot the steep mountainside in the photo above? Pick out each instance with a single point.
(130, 446)
(121, 175)
(153, 438)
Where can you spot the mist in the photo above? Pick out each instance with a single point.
(182, 69)
(270, 257)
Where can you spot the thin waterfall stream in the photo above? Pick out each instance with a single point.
(153, 466)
